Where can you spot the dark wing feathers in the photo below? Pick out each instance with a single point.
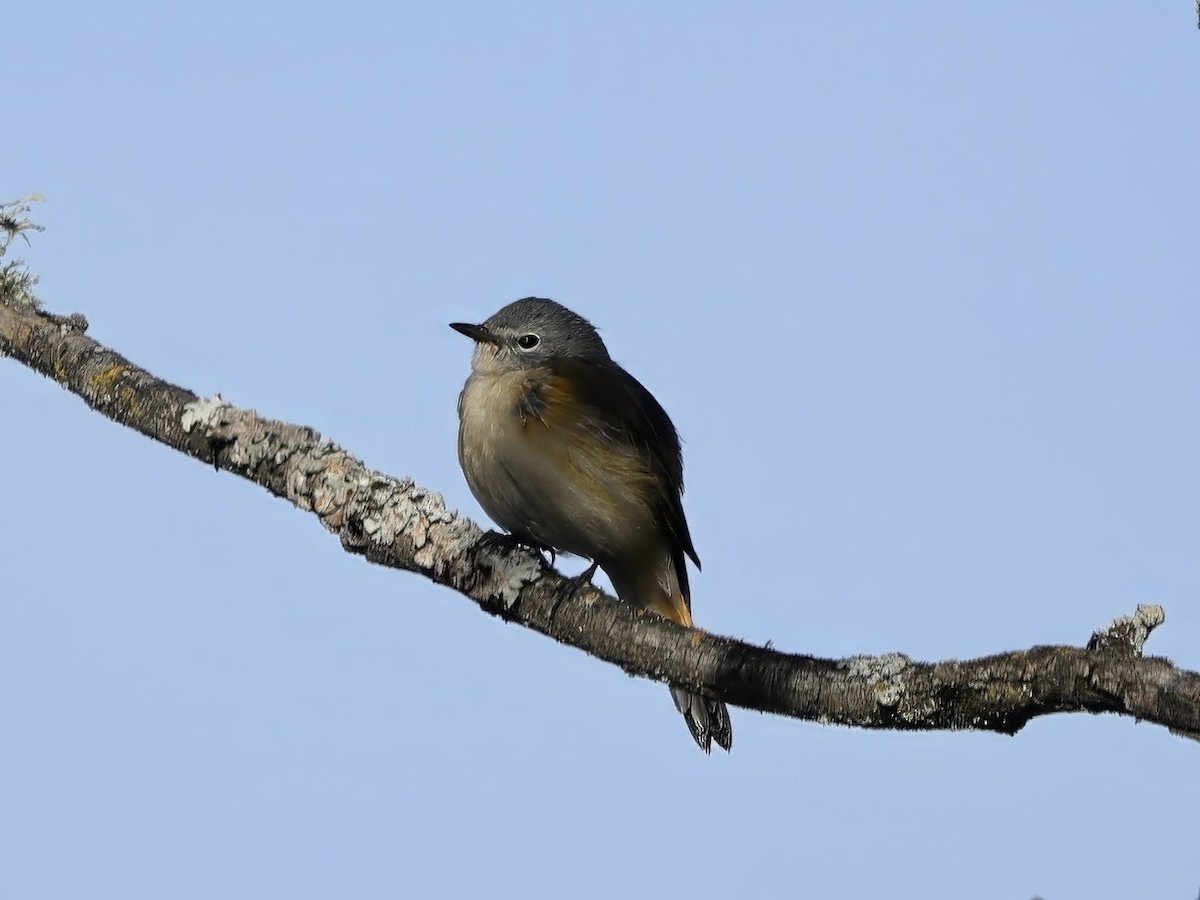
(632, 414)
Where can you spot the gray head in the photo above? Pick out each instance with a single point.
(529, 333)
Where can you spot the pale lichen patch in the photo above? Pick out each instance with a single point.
(517, 575)
(203, 412)
(103, 382)
(884, 674)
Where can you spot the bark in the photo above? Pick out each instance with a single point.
(394, 522)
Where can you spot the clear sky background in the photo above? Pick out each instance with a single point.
(917, 283)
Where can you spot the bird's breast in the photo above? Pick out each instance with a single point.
(541, 465)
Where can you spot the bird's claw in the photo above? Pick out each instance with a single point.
(504, 542)
(572, 587)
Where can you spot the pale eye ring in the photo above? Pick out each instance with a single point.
(528, 341)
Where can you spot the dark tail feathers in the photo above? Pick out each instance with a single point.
(707, 719)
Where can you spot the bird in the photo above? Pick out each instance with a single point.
(569, 453)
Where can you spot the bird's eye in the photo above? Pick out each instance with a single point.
(528, 341)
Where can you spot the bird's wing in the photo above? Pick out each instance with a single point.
(624, 409)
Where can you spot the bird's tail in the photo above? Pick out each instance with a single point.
(657, 588)
(707, 719)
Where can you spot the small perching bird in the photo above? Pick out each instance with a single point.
(567, 451)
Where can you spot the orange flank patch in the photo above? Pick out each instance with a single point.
(673, 608)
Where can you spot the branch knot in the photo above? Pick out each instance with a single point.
(1126, 636)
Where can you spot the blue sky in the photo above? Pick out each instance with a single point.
(916, 283)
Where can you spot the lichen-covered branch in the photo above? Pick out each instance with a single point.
(394, 522)
(16, 281)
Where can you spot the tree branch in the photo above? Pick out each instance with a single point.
(397, 523)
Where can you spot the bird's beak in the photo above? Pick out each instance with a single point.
(477, 333)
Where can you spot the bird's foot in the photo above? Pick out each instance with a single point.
(572, 587)
(502, 542)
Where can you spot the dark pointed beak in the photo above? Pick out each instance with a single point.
(475, 332)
